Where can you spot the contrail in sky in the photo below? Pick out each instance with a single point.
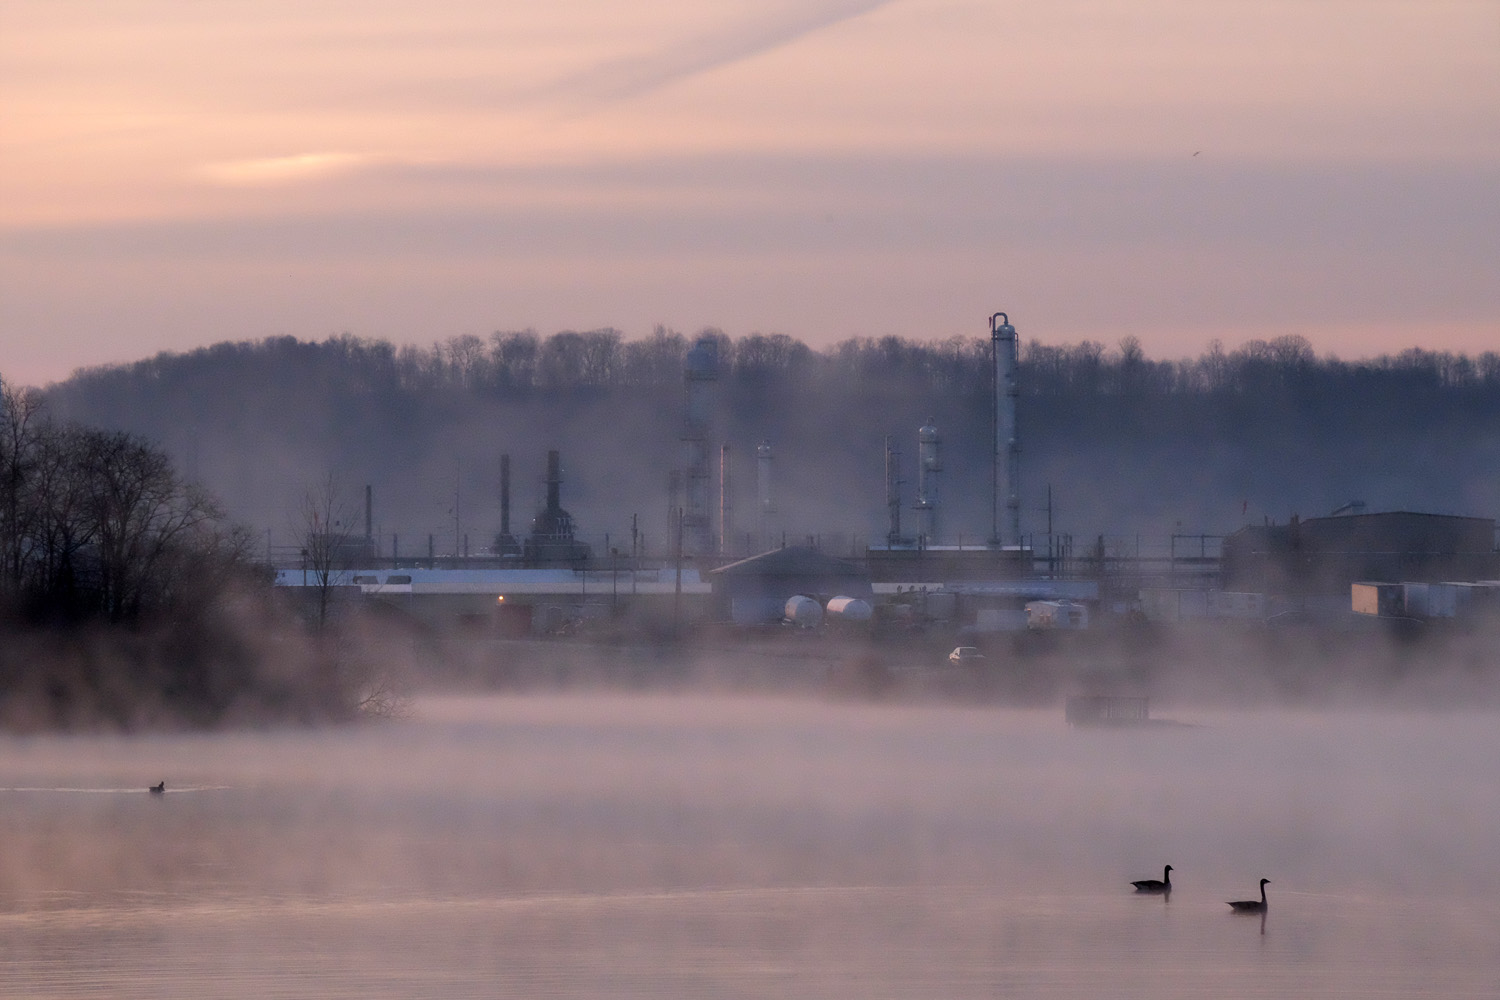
(637, 75)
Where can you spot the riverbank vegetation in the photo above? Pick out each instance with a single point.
(128, 599)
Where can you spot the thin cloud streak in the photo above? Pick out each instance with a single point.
(466, 166)
(282, 169)
(636, 76)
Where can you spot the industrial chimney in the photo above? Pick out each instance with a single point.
(1007, 467)
(551, 541)
(505, 542)
(554, 486)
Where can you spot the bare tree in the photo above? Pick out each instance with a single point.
(141, 513)
(327, 533)
(143, 595)
(20, 411)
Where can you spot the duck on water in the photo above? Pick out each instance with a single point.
(1252, 905)
(158, 789)
(1154, 885)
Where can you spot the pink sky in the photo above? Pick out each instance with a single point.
(175, 173)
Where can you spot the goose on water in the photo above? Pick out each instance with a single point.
(158, 788)
(1252, 905)
(1154, 885)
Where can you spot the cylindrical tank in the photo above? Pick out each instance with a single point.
(929, 464)
(849, 609)
(763, 477)
(804, 611)
(929, 459)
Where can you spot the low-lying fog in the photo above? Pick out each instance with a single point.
(695, 845)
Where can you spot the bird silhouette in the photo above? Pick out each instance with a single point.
(1252, 905)
(1154, 885)
(158, 789)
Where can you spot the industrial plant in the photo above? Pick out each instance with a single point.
(921, 576)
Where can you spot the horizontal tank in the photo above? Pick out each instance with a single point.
(804, 611)
(849, 609)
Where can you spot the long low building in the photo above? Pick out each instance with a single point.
(518, 601)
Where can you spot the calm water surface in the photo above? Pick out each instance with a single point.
(609, 846)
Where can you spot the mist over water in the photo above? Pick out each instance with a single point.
(705, 845)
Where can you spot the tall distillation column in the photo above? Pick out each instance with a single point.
(1007, 467)
(700, 372)
(765, 507)
(929, 464)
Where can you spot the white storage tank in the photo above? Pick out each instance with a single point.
(849, 609)
(804, 611)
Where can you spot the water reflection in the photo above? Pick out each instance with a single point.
(587, 846)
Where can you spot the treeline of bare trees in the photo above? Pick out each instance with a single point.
(603, 359)
(125, 595)
(97, 525)
(1122, 441)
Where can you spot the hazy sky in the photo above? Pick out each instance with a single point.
(179, 172)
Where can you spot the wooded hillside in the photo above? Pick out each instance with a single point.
(1128, 443)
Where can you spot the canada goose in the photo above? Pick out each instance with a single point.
(159, 788)
(1253, 905)
(1153, 885)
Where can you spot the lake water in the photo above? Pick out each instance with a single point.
(696, 846)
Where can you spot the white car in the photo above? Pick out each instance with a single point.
(964, 654)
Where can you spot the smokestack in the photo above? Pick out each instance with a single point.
(505, 542)
(551, 541)
(1007, 467)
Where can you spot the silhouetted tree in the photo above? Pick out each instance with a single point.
(327, 533)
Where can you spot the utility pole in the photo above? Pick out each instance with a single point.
(677, 593)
